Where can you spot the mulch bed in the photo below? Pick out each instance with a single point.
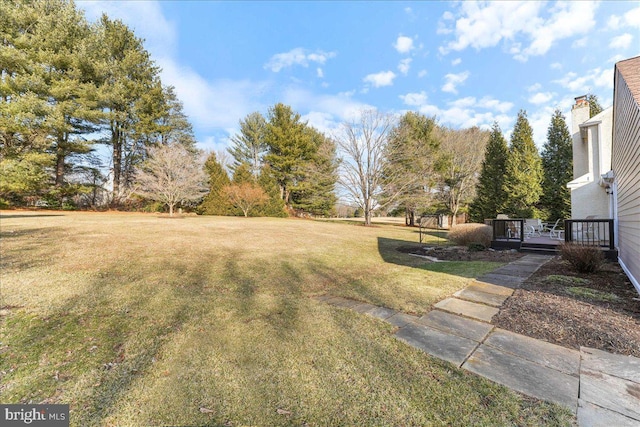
(561, 306)
(461, 253)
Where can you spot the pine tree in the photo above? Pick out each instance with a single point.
(313, 192)
(594, 105)
(557, 164)
(490, 194)
(274, 206)
(290, 148)
(249, 145)
(215, 202)
(523, 171)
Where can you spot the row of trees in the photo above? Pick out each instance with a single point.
(280, 164)
(516, 179)
(67, 86)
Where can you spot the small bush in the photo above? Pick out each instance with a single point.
(585, 259)
(476, 247)
(465, 234)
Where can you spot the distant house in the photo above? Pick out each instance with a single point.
(591, 160)
(625, 175)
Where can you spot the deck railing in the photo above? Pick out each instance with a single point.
(592, 232)
(507, 229)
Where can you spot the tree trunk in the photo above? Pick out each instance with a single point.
(171, 209)
(116, 143)
(60, 156)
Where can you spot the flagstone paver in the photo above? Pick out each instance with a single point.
(541, 352)
(475, 295)
(456, 325)
(401, 319)
(440, 344)
(524, 376)
(491, 289)
(468, 309)
(601, 388)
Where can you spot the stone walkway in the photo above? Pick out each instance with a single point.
(600, 388)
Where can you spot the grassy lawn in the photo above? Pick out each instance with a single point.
(139, 320)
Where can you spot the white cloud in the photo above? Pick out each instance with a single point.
(534, 87)
(212, 105)
(422, 73)
(587, 81)
(404, 65)
(622, 41)
(159, 33)
(325, 112)
(297, 56)
(414, 99)
(403, 44)
(541, 98)
(632, 18)
(383, 78)
(556, 66)
(456, 61)
(453, 80)
(486, 24)
(319, 73)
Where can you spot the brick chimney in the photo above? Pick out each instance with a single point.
(579, 113)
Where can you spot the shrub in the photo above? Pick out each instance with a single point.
(585, 259)
(476, 247)
(465, 234)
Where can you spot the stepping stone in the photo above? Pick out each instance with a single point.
(609, 392)
(456, 325)
(491, 289)
(468, 309)
(322, 298)
(401, 319)
(543, 353)
(590, 415)
(444, 346)
(502, 280)
(524, 376)
(475, 295)
(512, 271)
(363, 307)
(626, 367)
(380, 312)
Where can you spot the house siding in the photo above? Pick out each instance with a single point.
(626, 166)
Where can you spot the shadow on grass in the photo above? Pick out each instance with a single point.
(27, 216)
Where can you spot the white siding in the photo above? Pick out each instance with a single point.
(626, 166)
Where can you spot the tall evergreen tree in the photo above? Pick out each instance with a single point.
(523, 171)
(314, 190)
(557, 164)
(594, 105)
(249, 145)
(290, 146)
(128, 77)
(490, 195)
(215, 202)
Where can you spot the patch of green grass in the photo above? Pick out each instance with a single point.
(558, 279)
(592, 294)
(140, 320)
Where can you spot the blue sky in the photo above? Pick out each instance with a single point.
(467, 63)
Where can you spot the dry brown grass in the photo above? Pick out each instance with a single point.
(138, 320)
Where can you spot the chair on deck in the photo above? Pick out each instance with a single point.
(556, 231)
(533, 227)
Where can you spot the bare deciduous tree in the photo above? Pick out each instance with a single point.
(246, 196)
(462, 152)
(362, 145)
(171, 174)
